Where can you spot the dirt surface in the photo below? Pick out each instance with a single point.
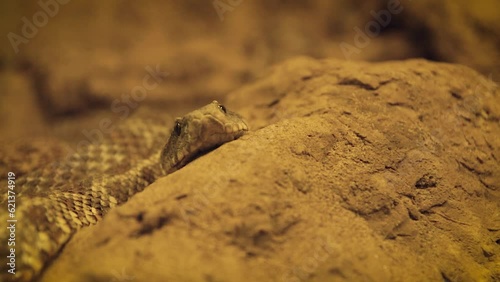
(353, 172)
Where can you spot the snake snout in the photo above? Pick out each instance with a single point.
(198, 132)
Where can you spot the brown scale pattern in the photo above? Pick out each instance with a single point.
(57, 199)
(65, 197)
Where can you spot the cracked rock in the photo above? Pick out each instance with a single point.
(323, 187)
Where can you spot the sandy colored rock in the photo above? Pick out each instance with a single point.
(352, 171)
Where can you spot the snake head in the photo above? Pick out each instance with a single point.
(200, 131)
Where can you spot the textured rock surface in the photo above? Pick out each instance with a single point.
(353, 171)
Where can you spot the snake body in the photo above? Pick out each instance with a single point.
(55, 201)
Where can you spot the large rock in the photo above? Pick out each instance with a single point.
(89, 54)
(353, 172)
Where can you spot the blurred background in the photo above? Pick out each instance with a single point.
(66, 64)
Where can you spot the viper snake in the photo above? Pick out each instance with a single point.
(58, 199)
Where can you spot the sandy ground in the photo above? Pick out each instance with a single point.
(353, 172)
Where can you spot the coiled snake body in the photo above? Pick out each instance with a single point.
(55, 201)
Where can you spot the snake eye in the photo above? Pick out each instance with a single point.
(177, 128)
(222, 108)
